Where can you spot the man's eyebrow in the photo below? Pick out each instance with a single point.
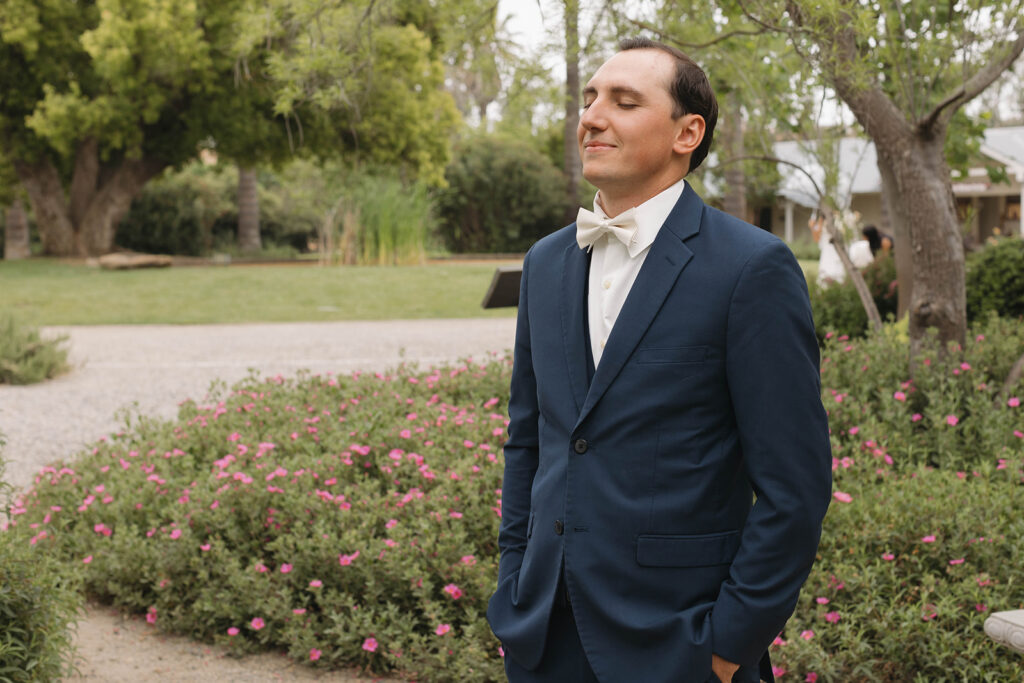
(618, 91)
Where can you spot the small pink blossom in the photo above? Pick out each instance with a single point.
(87, 560)
(854, 430)
(299, 610)
(888, 557)
(899, 396)
(345, 560)
(842, 497)
(807, 635)
(314, 654)
(1013, 401)
(454, 591)
(928, 539)
(370, 644)
(811, 678)
(391, 524)
(981, 607)
(151, 615)
(952, 420)
(821, 601)
(262, 568)
(316, 583)
(468, 559)
(832, 617)
(233, 631)
(778, 670)
(204, 547)
(285, 568)
(957, 561)
(916, 417)
(176, 533)
(442, 629)
(257, 623)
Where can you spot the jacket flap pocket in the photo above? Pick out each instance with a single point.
(706, 550)
(680, 354)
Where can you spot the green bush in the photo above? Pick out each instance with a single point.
(838, 309)
(163, 220)
(27, 358)
(995, 280)
(38, 605)
(502, 196)
(947, 416)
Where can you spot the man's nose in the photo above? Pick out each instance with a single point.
(592, 117)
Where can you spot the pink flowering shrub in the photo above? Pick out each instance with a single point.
(321, 514)
(949, 415)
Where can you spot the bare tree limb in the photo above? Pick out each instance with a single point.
(1015, 374)
(974, 86)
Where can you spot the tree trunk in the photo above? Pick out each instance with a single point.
(83, 225)
(16, 242)
(734, 200)
(922, 182)
(248, 211)
(573, 164)
(901, 238)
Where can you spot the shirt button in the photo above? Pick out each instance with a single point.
(607, 284)
(580, 446)
(559, 527)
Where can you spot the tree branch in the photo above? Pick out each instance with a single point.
(1011, 380)
(974, 86)
(669, 38)
(776, 160)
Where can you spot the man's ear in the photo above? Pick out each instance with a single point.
(691, 133)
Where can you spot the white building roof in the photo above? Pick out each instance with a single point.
(858, 167)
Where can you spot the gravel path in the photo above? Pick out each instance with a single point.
(151, 369)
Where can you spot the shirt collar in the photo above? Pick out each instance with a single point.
(650, 215)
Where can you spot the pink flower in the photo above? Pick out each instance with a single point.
(854, 430)
(314, 654)
(285, 568)
(87, 560)
(821, 601)
(928, 539)
(257, 623)
(151, 615)
(1019, 434)
(1013, 402)
(176, 533)
(916, 417)
(468, 559)
(233, 631)
(299, 610)
(453, 590)
(832, 617)
(391, 524)
(899, 396)
(262, 568)
(442, 629)
(807, 635)
(842, 497)
(370, 644)
(345, 560)
(888, 557)
(965, 366)
(811, 678)
(958, 560)
(316, 583)
(981, 607)
(952, 420)
(204, 547)
(778, 670)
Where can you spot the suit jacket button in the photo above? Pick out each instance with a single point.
(559, 527)
(580, 446)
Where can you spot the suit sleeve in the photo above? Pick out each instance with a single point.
(772, 366)
(521, 449)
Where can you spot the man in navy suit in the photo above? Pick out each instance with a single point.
(668, 464)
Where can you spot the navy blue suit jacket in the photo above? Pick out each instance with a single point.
(640, 482)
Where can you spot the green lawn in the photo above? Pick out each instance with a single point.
(44, 292)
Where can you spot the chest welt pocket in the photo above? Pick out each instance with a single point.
(677, 355)
(705, 550)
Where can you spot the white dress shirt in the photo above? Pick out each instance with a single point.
(614, 267)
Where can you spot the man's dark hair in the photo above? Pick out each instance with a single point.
(690, 90)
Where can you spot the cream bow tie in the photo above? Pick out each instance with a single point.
(590, 227)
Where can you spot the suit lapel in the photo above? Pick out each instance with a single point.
(573, 299)
(666, 259)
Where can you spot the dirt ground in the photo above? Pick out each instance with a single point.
(112, 647)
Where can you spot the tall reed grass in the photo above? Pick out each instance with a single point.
(378, 220)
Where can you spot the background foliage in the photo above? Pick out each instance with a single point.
(995, 280)
(25, 357)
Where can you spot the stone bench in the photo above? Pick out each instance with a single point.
(1007, 628)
